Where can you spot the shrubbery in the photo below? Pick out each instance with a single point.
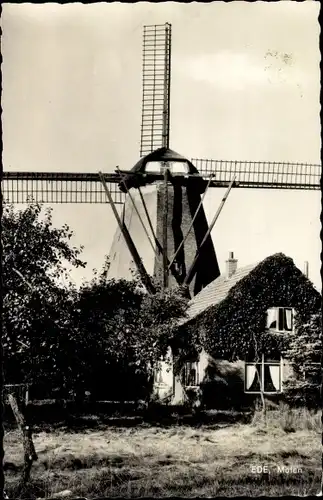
(305, 354)
(104, 337)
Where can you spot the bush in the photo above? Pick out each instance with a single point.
(298, 394)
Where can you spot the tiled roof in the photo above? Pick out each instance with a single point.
(215, 292)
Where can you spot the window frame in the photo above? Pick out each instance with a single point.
(197, 375)
(169, 165)
(276, 329)
(262, 364)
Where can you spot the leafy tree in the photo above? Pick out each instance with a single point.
(39, 336)
(103, 310)
(305, 354)
(106, 332)
(126, 331)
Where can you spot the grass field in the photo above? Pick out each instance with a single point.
(145, 460)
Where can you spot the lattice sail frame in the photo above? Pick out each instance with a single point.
(261, 174)
(59, 187)
(155, 87)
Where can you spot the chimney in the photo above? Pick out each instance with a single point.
(231, 265)
(306, 268)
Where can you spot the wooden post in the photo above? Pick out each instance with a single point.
(27, 395)
(262, 395)
(158, 245)
(260, 377)
(137, 212)
(190, 273)
(129, 241)
(30, 454)
(191, 224)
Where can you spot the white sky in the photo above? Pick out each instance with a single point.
(245, 86)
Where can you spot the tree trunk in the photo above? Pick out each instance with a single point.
(29, 450)
(264, 412)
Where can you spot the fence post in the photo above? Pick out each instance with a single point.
(30, 454)
(27, 395)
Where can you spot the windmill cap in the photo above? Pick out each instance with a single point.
(163, 154)
(159, 156)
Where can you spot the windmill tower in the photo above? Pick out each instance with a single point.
(165, 217)
(163, 210)
(162, 229)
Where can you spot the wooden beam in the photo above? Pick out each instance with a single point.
(129, 241)
(138, 214)
(191, 225)
(191, 271)
(158, 245)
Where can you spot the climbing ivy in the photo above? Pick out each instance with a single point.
(236, 327)
(304, 388)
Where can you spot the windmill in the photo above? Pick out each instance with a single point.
(162, 229)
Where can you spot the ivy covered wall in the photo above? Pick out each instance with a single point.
(236, 327)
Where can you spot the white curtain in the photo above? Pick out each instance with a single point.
(272, 318)
(275, 376)
(288, 318)
(251, 373)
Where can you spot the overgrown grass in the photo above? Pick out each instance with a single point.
(290, 419)
(175, 461)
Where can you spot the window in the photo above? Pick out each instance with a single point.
(178, 167)
(175, 167)
(154, 167)
(191, 375)
(280, 319)
(263, 376)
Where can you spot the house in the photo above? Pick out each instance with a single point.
(242, 320)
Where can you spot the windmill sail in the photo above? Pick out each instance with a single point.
(58, 187)
(156, 88)
(65, 187)
(263, 174)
